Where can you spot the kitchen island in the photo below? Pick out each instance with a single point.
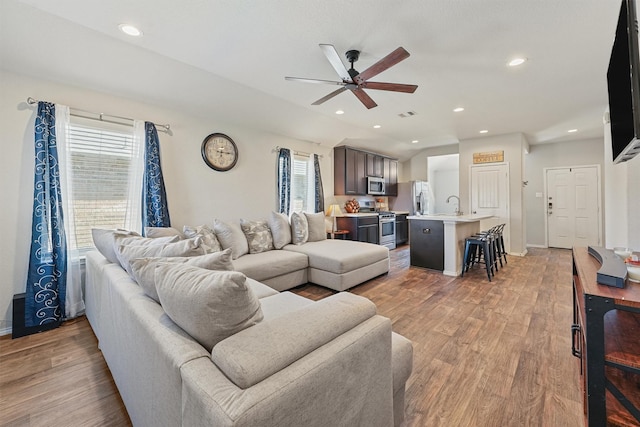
(437, 241)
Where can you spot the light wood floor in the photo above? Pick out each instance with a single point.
(485, 354)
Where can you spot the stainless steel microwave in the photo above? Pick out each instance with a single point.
(375, 185)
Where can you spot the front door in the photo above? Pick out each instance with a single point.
(490, 196)
(573, 206)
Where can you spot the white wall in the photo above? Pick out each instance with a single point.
(444, 183)
(416, 168)
(196, 194)
(572, 153)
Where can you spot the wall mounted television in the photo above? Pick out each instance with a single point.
(623, 80)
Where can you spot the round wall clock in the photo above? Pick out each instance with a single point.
(219, 152)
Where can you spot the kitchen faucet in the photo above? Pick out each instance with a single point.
(457, 211)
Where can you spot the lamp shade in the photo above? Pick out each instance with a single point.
(334, 210)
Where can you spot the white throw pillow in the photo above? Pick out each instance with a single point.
(299, 228)
(104, 241)
(231, 236)
(183, 248)
(258, 236)
(317, 226)
(155, 232)
(280, 229)
(209, 305)
(208, 236)
(143, 269)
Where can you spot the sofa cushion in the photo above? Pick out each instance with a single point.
(104, 241)
(155, 232)
(231, 236)
(181, 248)
(209, 238)
(299, 228)
(143, 269)
(267, 265)
(260, 290)
(282, 303)
(256, 353)
(258, 235)
(209, 305)
(340, 256)
(280, 229)
(317, 226)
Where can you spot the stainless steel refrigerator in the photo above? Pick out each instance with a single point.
(414, 197)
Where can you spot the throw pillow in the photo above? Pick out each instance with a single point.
(183, 248)
(258, 236)
(231, 236)
(155, 232)
(209, 305)
(299, 228)
(208, 236)
(143, 269)
(280, 229)
(104, 241)
(317, 226)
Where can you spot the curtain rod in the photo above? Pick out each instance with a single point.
(165, 128)
(300, 153)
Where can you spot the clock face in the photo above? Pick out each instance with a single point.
(219, 152)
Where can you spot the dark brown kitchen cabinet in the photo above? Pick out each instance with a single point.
(390, 173)
(375, 165)
(402, 229)
(349, 171)
(362, 229)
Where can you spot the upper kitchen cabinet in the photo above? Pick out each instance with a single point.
(351, 168)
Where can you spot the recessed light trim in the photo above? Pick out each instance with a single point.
(484, 131)
(339, 112)
(572, 130)
(377, 126)
(458, 109)
(516, 61)
(130, 30)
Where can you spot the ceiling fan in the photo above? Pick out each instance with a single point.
(354, 81)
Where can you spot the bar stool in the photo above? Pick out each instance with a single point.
(477, 249)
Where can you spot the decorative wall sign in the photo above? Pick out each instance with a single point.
(488, 157)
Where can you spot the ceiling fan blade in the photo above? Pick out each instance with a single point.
(394, 87)
(328, 97)
(303, 80)
(364, 98)
(387, 62)
(333, 57)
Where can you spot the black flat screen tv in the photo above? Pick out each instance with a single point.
(623, 80)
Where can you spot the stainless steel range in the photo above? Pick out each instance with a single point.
(387, 227)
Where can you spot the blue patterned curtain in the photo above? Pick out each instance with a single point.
(46, 278)
(284, 180)
(155, 212)
(318, 180)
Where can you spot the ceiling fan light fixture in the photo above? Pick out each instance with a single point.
(516, 61)
(130, 30)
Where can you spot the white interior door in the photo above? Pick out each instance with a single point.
(490, 196)
(573, 206)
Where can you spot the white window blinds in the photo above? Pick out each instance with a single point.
(302, 184)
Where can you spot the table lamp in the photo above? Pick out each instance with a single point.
(333, 212)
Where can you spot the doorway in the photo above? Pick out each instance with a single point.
(573, 206)
(490, 196)
(443, 176)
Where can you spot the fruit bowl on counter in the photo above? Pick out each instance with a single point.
(352, 206)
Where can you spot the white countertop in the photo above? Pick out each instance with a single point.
(360, 214)
(450, 218)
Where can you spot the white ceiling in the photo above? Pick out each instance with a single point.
(228, 58)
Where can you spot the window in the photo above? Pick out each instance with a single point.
(302, 184)
(101, 158)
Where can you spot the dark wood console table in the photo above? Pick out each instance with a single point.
(606, 338)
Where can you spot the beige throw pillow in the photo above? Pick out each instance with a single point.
(209, 238)
(155, 232)
(143, 269)
(104, 241)
(280, 229)
(258, 236)
(183, 248)
(299, 228)
(317, 226)
(231, 236)
(209, 305)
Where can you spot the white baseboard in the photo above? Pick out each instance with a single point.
(531, 245)
(5, 331)
(518, 253)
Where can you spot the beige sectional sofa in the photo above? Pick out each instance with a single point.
(332, 362)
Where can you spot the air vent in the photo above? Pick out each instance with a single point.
(407, 114)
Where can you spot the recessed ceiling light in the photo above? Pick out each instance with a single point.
(517, 61)
(130, 30)
(339, 112)
(484, 131)
(377, 126)
(458, 109)
(415, 141)
(572, 130)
